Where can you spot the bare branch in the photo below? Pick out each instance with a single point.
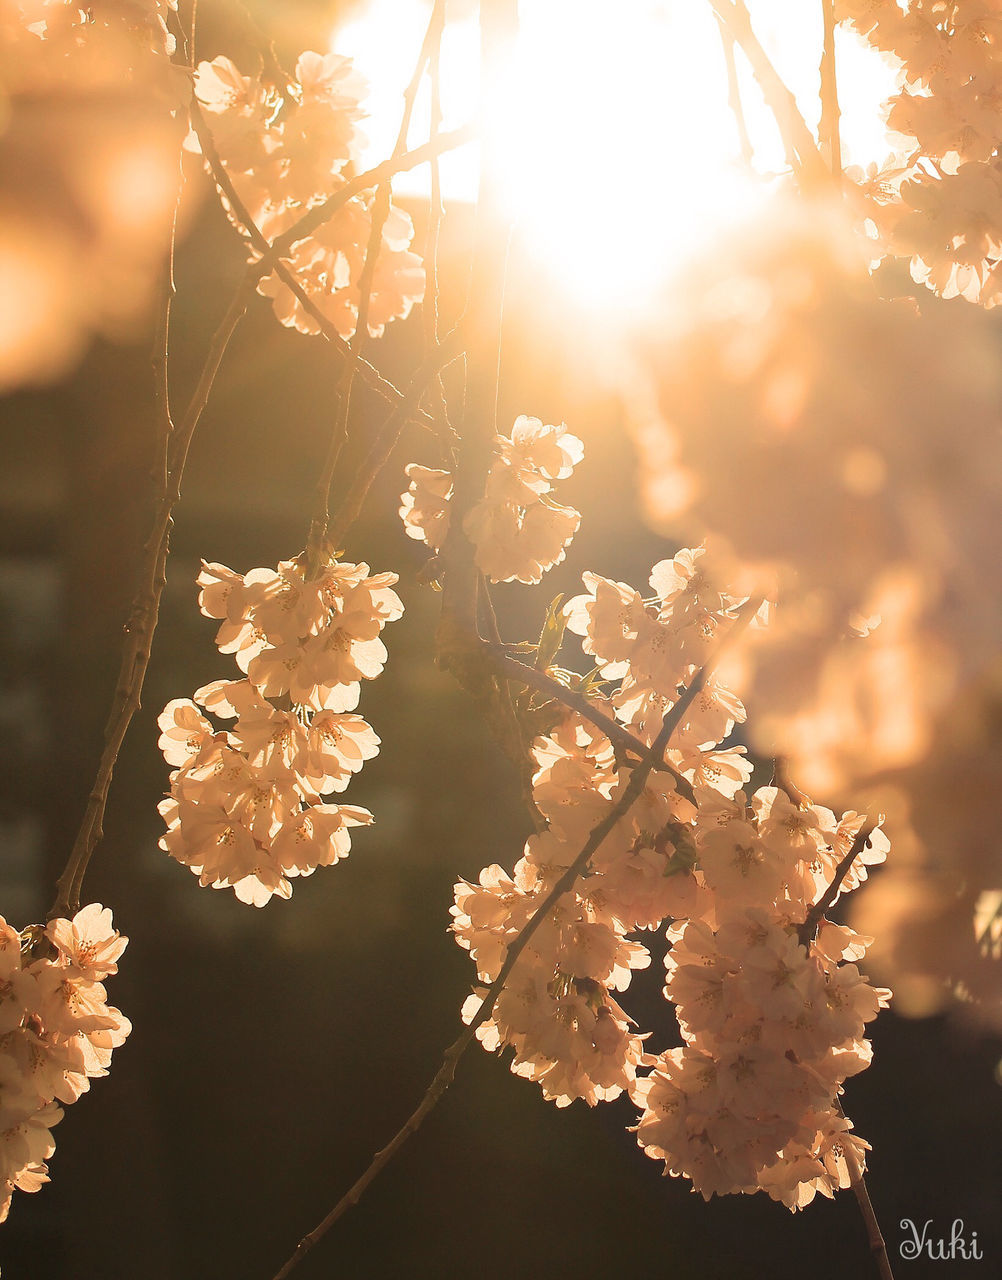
(449, 349)
(173, 445)
(878, 1249)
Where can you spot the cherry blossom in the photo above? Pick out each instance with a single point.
(288, 154)
(246, 808)
(519, 531)
(772, 1025)
(57, 1032)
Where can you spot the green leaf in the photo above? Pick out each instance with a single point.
(552, 635)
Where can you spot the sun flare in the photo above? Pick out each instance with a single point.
(620, 154)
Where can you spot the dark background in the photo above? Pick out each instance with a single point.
(274, 1051)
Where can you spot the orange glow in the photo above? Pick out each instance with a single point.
(618, 148)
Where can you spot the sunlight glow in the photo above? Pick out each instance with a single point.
(619, 153)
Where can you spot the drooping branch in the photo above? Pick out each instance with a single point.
(369, 374)
(373, 177)
(430, 305)
(449, 349)
(380, 212)
(830, 133)
(458, 626)
(174, 442)
(878, 1248)
(446, 1072)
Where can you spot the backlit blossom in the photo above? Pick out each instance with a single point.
(246, 808)
(57, 1032)
(286, 155)
(771, 1025)
(518, 529)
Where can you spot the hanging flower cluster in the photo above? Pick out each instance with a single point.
(57, 1033)
(771, 1026)
(939, 202)
(289, 150)
(246, 808)
(518, 530)
(771, 1023)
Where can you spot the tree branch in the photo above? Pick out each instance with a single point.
(370, 375)
(831, 142)
(734, 94)
(806, 931)
(458, 625)
(173, 445)
(801, 150)
(380, 212)
(444, 1076)
(373, 177)
(449, 349)
(617, 733)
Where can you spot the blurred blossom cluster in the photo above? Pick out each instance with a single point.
(845, 453)
(772, 1022)
(938, 202)
(89, 173)
(287, 149)
(57, 1033)
(246, 808)
(519, 531)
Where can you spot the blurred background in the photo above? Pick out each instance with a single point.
(275, 1051)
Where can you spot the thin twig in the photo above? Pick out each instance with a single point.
(484, 314)
(142, 623)
(782, 780)
(449, 349)
(814, 916)
(444, 1076)
(617, 733)
(317, 541)
(878, 1248)
(321, 213)
(519, 753)
(430, 308)
(380, 212)
(370, 375)
(829, 131)
(734, 94)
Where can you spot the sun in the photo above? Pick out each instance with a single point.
(620, 153)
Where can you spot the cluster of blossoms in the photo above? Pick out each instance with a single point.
(57, 1033)
(939, 203)
(89, 145)
(288, 150)
(772, 1024)
(246, 807)
(517, 528)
